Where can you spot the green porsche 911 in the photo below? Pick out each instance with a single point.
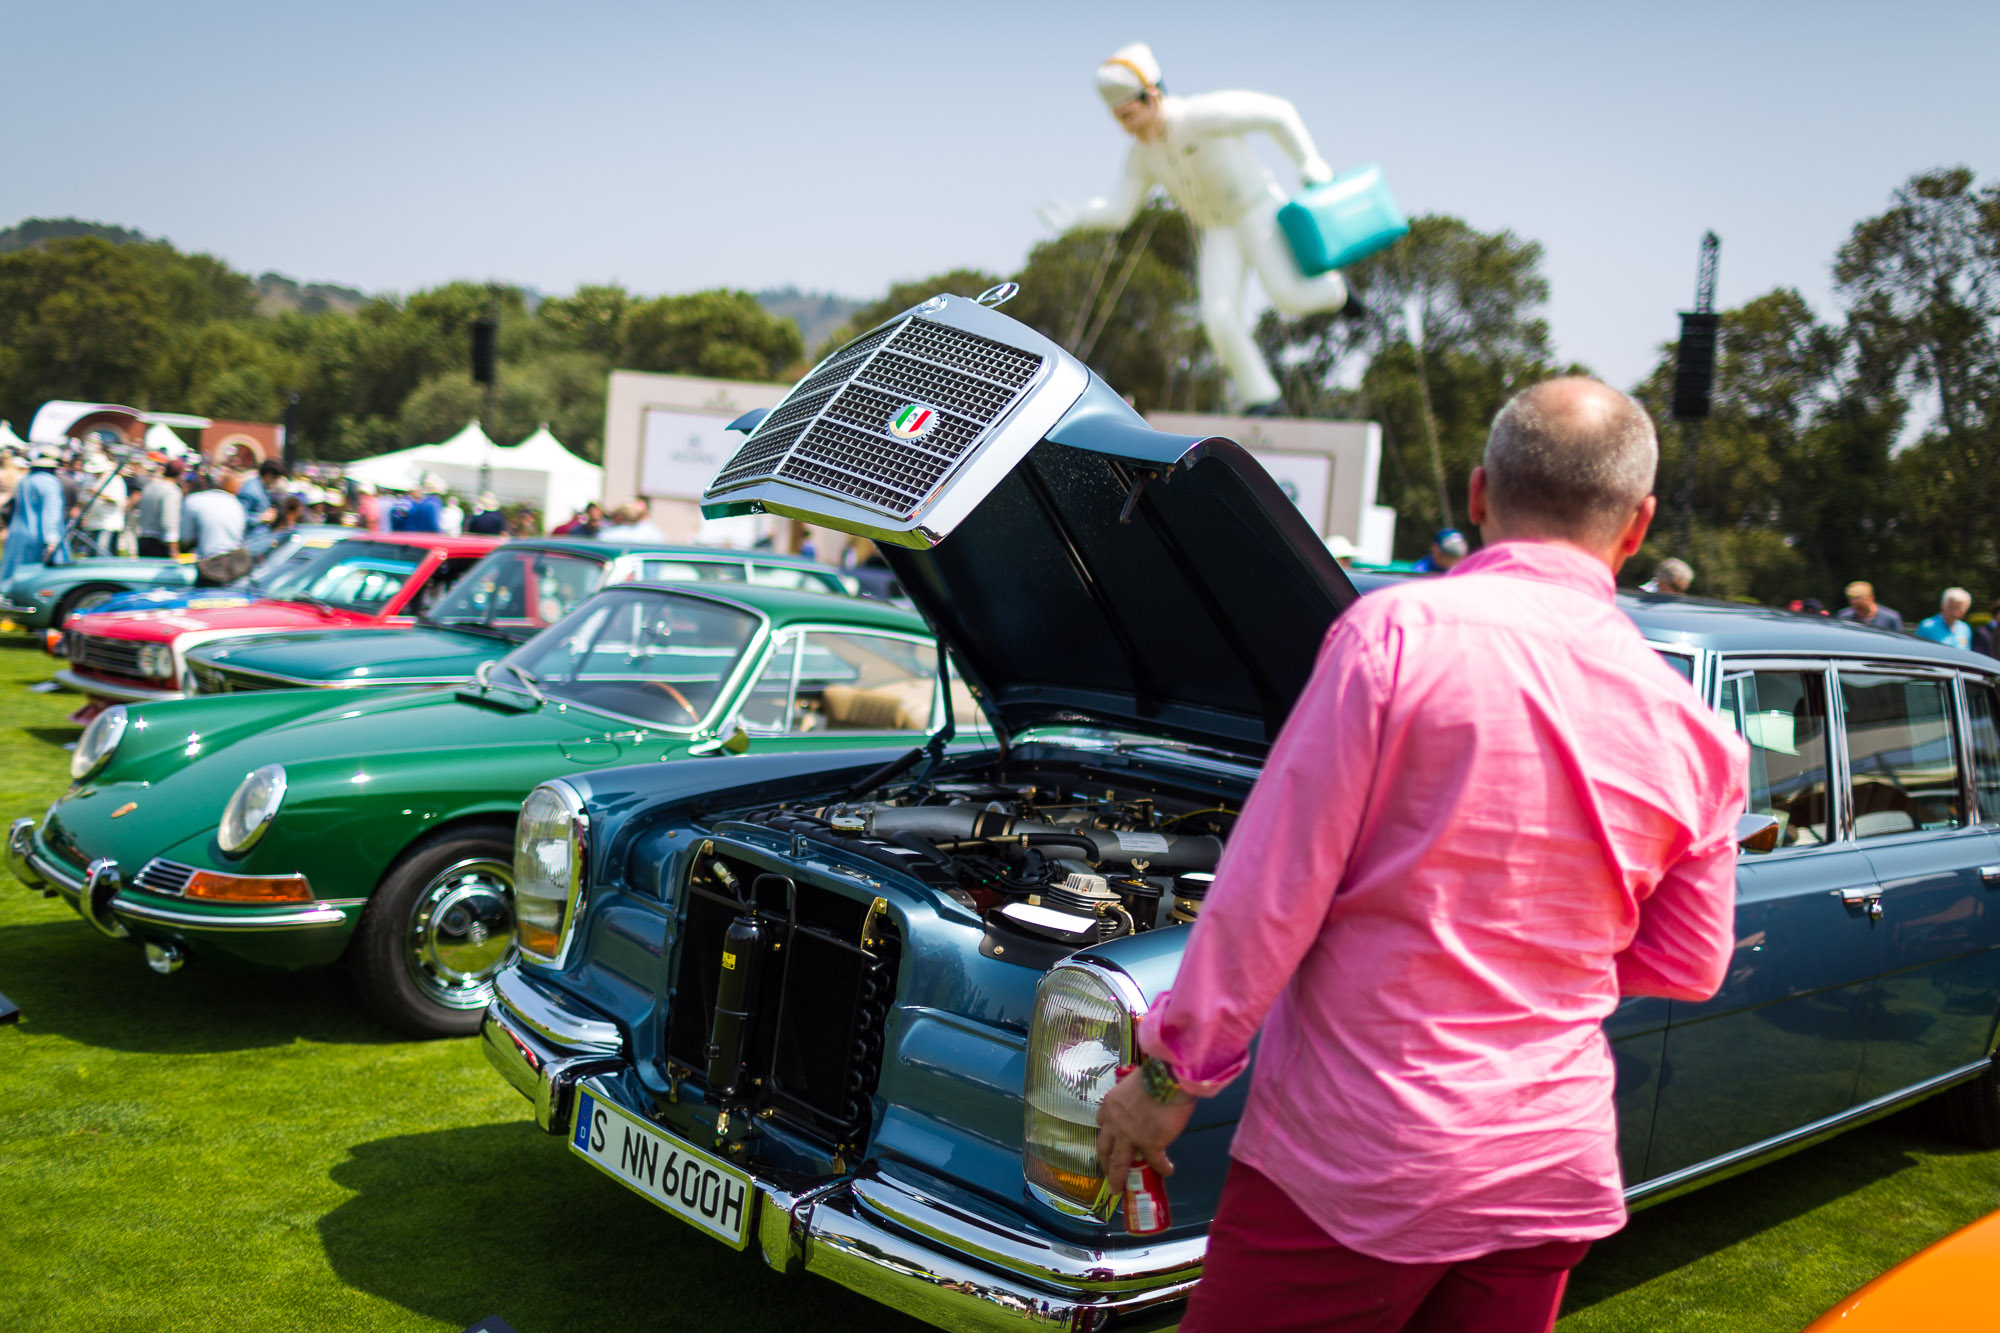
(297, 828)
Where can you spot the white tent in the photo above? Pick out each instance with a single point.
(538, 471)
(9, 440)
(162, 440)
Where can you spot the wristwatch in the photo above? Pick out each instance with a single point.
(1161, 1085)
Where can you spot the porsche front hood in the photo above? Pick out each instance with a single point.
(1083, 567)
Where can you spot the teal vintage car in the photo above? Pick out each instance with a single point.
(296, 828)
(45, 596)
(514, 593)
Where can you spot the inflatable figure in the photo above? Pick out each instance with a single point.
(1198, 149)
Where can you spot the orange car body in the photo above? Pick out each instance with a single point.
(1944, 1289)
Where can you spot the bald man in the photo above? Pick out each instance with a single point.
(1446, 877)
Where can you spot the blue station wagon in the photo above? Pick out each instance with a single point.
(860, 1014)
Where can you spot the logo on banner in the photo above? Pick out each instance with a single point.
(913, 422)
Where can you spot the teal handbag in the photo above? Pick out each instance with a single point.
(1350, 217)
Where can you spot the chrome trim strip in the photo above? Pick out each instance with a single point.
(1715, 1168)
(104, 689)
(303, 918)
(554, 1016)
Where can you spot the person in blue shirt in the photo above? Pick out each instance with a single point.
(35, 537)
(1949, 625)
(1447, 549)
(260, 494)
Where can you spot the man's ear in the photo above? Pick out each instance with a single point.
(1634, 535)
(1475, 496)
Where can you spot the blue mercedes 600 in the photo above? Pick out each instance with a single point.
(860, 1015)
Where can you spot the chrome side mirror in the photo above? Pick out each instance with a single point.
(1757, 833)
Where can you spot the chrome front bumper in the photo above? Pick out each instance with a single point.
(98, 688)
(96, 895)
(887, 1237)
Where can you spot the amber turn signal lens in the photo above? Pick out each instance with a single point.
(1071, 1185)
(536, 938)
(212, 886)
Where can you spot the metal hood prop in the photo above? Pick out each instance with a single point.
(1083, 567)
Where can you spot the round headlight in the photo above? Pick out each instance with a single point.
(155, 659)
(99, 739)
(549, 860)
(251, 810)
(1080, 1034)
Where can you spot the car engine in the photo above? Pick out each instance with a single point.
(1056, 869)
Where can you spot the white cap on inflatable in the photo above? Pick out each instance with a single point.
(1126, 73)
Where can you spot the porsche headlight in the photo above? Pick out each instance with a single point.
(251, 810)
(550, 864)
(1080, 1035)
(99, 739)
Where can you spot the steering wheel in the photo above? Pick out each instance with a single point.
(677, 697)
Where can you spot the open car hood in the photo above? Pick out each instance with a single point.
(1083, 567)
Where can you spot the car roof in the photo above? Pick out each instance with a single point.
(787, 606)
(443, 541)
(592, 546)
(1737, 627)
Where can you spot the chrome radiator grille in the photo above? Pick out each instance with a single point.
(118, 657)
(832, 431)
(161, 876)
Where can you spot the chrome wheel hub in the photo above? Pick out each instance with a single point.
(461, 931)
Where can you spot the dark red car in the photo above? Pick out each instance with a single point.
(141, 656)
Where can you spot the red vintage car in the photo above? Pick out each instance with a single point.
(141, 656)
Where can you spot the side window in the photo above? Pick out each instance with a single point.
(767, 709)
(693, 571)
(1900, 753)
(865, 682)
(1985, 748)
(1782, 716)
(791, 576)
(440, 582)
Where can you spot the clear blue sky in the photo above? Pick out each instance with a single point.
(671, 146)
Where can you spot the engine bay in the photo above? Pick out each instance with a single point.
(1046, 868)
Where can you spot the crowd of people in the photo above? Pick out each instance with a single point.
(61, 503)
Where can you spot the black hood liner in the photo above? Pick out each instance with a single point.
(1200, 617)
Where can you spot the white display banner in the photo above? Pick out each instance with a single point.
(1306, 480)
(682, 452)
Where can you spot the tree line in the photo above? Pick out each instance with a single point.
(1851, 443)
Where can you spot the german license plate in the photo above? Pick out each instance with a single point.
(680, 1178)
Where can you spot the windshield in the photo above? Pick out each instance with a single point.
(650, 656)
(520, 589)
(284, 566)
(356, 575)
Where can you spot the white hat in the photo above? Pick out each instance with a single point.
(1126, 73)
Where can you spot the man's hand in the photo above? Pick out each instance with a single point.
(1131, 1125)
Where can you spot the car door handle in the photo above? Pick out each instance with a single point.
(1868, 896)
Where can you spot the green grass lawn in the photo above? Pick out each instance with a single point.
(217, 1152)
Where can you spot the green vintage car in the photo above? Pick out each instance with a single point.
(298, 828)
(511, 595)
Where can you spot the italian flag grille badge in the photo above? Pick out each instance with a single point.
(912, 422)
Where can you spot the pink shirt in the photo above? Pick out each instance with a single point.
(1493, 811)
